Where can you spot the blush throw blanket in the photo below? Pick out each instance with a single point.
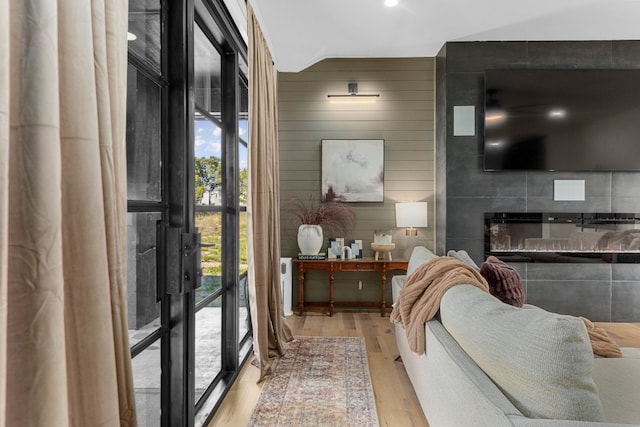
(419, 299)
(601, 343)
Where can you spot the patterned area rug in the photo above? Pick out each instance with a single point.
(320, 381)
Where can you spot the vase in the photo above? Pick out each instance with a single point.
(309, 239)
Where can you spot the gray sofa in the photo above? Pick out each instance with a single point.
(491, 364)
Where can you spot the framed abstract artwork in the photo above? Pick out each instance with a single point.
(353, 170)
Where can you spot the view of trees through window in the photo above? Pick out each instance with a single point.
(208, 196)
(208, 178)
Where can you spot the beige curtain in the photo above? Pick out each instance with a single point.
(270, 331)
(64, 351)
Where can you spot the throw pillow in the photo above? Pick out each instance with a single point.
(419, 256)
(504, 281)
(541, 361)
(463, 256)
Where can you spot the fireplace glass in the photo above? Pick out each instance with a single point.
(563, 237)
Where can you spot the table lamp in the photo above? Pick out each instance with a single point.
(411, 215)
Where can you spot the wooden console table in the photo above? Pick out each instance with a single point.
(333, 266)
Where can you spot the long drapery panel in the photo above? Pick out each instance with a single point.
(4, 196)
(63, 214)
(270, 331)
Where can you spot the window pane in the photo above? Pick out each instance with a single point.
(243, 132)
(207, 163)
(146, 385)
(143, 138)
(210, 226)
(207, 68)
(244, 176)
(143, 307)
(243, 309)
(208, 345)
(145, 30)
(243, 123)
(243, 256)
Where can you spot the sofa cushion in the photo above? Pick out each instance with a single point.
(419, 256)
(630, 352)
(618, 382)
(541, 361)
(397, 283)
(463, 256)
(504, 281)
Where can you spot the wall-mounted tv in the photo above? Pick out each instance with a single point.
(563, 120)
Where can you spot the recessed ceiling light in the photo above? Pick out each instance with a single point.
(390, 3)
(131, 36)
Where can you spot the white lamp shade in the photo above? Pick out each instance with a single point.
(412, 214)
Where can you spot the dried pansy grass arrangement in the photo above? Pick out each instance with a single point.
(336, 218)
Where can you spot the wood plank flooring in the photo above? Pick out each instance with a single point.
(396, 401)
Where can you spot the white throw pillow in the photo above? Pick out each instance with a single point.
(419, 256)
(463, 256)
(541, 361)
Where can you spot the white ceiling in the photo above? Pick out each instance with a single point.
(303, 32)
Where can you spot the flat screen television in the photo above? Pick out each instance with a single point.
(563, 120)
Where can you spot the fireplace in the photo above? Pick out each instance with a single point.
(563, 237)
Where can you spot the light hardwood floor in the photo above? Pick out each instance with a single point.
(395, 399)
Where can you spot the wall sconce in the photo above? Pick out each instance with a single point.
(353, 96)
(410, 216)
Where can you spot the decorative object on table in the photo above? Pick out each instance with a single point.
(382, 244)
(347, 252)
(315, 217)
(411, 215)
(353, 170)
(356, 248)
(330, 254)
(335, 249)
(382, 236)
(309, 239)
(293, 396)
(317, 257)
(382, 249)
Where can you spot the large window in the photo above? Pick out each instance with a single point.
(189, 326)
(220, 193)
(209, 193)
(243, 178)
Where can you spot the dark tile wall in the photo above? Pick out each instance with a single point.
(601, 292)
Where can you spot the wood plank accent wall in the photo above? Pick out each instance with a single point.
(403, 116)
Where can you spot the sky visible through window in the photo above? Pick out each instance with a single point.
(208, 140)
